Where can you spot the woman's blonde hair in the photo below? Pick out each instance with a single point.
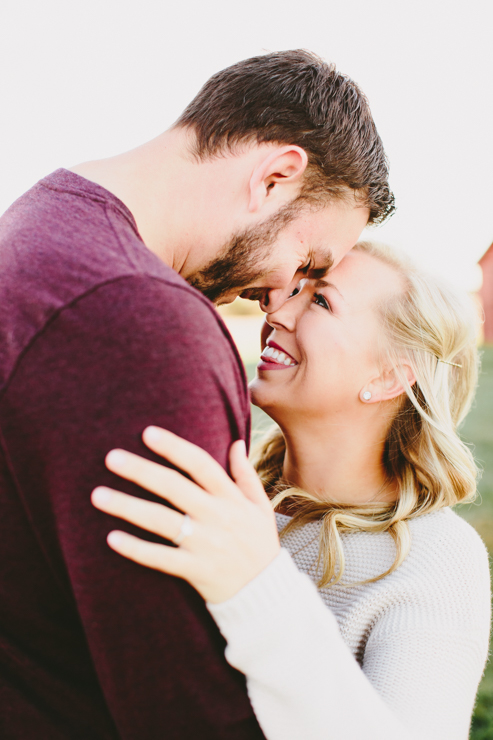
(434, 330)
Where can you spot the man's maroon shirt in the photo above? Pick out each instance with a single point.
(98, 339)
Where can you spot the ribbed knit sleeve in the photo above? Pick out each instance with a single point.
(419, 673)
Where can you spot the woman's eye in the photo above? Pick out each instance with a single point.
(298, 288)
(321, 301)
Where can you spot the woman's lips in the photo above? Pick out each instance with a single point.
(273, 357)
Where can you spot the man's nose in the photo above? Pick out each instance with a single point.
(275, 297)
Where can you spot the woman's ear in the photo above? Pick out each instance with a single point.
(282, 167)
(387, 385)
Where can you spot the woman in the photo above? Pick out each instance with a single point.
(368, 375)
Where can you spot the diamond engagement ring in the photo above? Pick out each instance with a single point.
(186, 529)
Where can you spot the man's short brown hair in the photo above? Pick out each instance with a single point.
(294, 97)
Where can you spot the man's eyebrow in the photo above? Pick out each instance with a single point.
(325, 284)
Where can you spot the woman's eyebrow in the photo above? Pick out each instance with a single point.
(325, 284)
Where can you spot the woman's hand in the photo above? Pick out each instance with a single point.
(230, 533)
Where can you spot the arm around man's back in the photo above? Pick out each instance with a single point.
(133, 352)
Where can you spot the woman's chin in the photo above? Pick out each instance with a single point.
(260, 397)
(258, 394)
(254, 396)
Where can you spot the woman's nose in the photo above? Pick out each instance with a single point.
(286, 315)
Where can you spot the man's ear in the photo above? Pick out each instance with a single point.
(387, 385)
(286, 164)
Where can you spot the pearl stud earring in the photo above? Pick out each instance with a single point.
(367, 395)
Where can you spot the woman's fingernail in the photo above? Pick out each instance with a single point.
(242, 446)
(114, 538)
(101, 495)
(116, 459)
(153, 434)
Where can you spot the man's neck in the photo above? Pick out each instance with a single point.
(150, 181)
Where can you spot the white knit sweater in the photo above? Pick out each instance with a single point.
(399, 659)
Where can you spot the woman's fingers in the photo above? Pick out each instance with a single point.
(245, 475)
(192, 460)
(172, 560)
(178, 490)
(153, 517)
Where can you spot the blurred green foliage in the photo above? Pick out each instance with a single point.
(477, 431)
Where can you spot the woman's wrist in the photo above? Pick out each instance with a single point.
(266, 594)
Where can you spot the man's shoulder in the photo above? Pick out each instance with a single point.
(70, 231)
(163, 304)
(67, 239)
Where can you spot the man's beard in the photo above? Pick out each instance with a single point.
(242, 262)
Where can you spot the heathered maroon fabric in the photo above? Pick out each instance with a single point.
(98, 339)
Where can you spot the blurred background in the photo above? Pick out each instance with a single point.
(81, 81)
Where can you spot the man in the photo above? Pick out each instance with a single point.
(269, 175)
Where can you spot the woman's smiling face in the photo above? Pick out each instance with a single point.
(330, 334)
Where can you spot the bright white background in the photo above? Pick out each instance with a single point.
(82, 80)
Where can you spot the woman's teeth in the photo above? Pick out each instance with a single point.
(280, 357)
